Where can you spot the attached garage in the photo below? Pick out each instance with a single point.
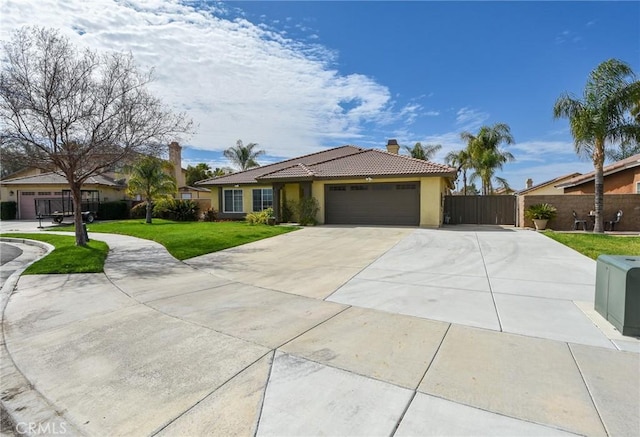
(373, 203)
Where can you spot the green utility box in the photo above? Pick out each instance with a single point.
(618, 292)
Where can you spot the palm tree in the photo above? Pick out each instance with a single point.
(461, 160)
(425, 152)
(485, 153)
(602, 116)
(243, 156)
(150, 178)
(197, 173)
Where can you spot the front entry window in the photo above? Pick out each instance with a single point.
(262, 199)
(232, 201)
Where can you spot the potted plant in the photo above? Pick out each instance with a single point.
(540, 213)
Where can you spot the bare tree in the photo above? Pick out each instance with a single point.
(77, 111)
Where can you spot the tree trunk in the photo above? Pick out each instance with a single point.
(149, 211)
(76, 195)
(464, 181)
(598, 164)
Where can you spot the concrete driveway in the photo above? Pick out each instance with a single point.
(326, 330)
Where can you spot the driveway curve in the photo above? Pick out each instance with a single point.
(332, 330)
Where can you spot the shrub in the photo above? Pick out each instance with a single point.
(8, 210)
(307, 209)
(181, 210)
(259, 218)
(118, 210)
(287, 212)
(210, 215)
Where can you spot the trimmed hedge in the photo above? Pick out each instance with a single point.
(8, 210)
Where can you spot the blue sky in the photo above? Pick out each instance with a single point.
(297, 77)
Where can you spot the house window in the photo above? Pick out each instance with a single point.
(637, 187)
(262, 199)
(185, 195)
(232, 201)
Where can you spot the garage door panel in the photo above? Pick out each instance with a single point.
(374, 204)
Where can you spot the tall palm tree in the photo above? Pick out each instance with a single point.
(150, 178)
(602, 116)
(244, 157)
(461, 160)
(425, 152)
(486, 155)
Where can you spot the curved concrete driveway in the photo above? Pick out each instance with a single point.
(327, 330)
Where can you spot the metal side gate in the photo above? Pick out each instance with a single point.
(480, 210)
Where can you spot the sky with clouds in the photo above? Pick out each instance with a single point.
(298, 77)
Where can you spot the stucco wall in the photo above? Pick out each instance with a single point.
(622, 182)
(582, 204)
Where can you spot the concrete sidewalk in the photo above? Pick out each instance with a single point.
(326, 330)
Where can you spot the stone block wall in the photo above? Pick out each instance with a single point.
(582, 204)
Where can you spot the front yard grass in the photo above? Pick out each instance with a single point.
(593, 245)
(186, 240)
(67, 257)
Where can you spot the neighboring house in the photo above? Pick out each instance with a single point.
(621, 177)
(548, 187)
(30, 187)
(352, 186)
(46, 191)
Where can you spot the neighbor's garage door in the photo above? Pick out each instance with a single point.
(373, 204)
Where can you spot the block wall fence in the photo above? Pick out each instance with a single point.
(582, 204)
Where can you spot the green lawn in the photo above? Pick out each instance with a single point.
(593, 245)
(67, 257)
(188, 239)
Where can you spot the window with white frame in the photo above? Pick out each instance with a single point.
(637, 187)
(262, 199)
(185, 195)
(232, 200)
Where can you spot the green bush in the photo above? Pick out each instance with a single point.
(259, 218)
(118, 210)
(180, 210)
(287, 212)
(210, 215)
(8, 210)
(307, 209)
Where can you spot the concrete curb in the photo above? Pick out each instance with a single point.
(26, 407)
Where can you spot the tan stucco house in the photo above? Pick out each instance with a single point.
(32, 188)
(547, 187)
(352, 185)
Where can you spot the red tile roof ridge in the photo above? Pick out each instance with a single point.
(411, 158)
(283, 162)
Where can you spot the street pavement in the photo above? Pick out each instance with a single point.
(323, 331)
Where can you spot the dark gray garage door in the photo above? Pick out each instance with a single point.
(373, 204)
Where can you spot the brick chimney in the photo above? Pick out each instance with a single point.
(393, 147)
(528, 183)
(175, 158)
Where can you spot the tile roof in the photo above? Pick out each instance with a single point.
(552, 181)
(249, 176)
(56, 179)
(368, 162)
(630, 162)
(345, 161)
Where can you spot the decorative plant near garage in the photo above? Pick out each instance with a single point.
(307, 209)
(540, 213)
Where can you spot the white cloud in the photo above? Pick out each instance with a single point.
(236, 79)
(470, 119)
(542, 151)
